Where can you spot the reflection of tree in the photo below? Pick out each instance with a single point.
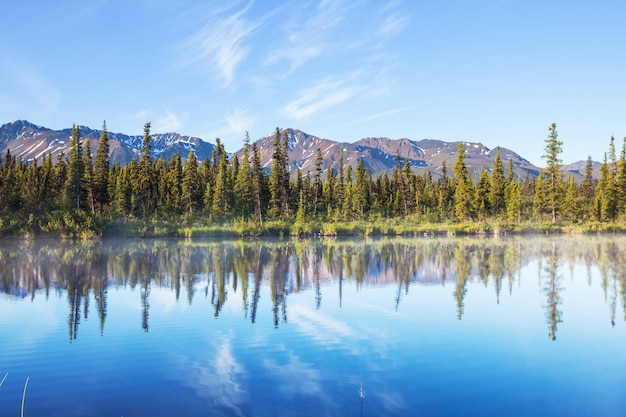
(278, 279)
(463, 266)
(84, 271)
(552, 289)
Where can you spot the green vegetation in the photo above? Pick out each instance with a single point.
(84, 197)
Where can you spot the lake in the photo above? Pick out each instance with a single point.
(523, 326)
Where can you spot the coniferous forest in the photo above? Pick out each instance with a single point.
(83, 195)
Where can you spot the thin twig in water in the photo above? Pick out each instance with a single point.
(361, 392)
(24, 395)
(5, 377)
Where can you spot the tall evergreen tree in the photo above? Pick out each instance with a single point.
(463, 193)
(498, 186)
(88, 179)
(101, 171)
(146, 185)
(317, 180)
(257, 183)
(554, 181)
(221, 190)
(74, 190)
(243, 183)
(190, 187)
(482, 203)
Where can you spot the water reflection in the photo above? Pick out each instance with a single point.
(236, 271)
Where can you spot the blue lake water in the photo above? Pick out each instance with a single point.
(424, 327)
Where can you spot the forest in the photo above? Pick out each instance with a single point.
(82, 195)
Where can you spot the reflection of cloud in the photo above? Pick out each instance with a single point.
(321, 328)
(218, 380)
(295, 377)
(391, 401)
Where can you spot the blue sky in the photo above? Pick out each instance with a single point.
(492, 71)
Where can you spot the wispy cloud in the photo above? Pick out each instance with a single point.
(323, 95)
(311, 33)
(33, 86)
(393, 25)
(169, 123)
(220, 42)
(234, 124)
(380, 115)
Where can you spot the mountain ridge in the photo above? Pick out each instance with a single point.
(29, 141)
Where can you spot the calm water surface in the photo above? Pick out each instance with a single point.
(424, 327)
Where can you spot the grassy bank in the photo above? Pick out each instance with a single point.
(80, 226)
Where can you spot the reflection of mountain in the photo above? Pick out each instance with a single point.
(227, 271)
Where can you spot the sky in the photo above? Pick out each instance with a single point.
(499, 72)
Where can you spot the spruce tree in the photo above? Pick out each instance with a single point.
(463, 195)
(553, 149)
(146, 180)
(74, 190)
(101, 171)
(482, 203)
(317, 180)
(498, 186)
(190, 187)
(243, 182)
(257, 183)
(88, 179)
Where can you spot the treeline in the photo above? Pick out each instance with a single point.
(83, 193)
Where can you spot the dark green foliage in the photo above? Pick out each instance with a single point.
(79, 196)
(74, 182)
(554, 176)
(100, 183)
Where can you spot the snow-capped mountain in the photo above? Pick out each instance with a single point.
(28, 141)
(380, 154)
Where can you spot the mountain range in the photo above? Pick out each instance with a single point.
(29, 141)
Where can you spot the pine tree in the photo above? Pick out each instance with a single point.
(279, 177)
(514, 202)
(243, 183)
(463, 195)
(74, 191)
(570, 203)
(190, 187)
(317, 180)
(588, 189)
(605, 195)
(540, 198)
(88, 179)
(482, 204)
(175, 184)
(101, 171)
(360, 192)
(146, 185)
(498, 186)
(553, 171)
(620, 181)
(220, 203)
(257, 183)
